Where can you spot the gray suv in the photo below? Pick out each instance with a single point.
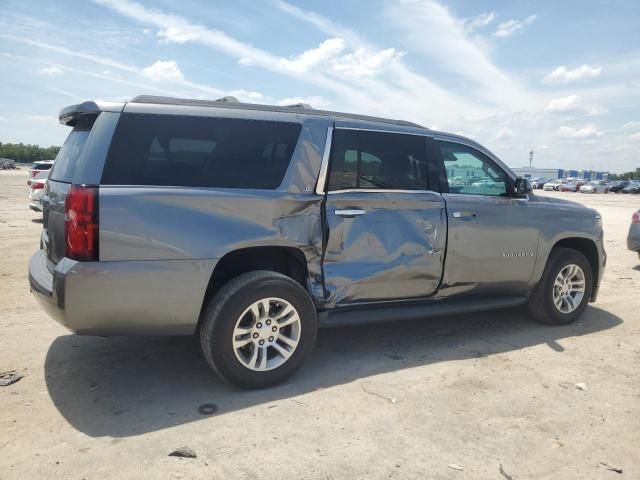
(253, 225)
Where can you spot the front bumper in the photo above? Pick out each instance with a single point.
(633, 239)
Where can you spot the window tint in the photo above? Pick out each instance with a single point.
(199, 152)
(69, 155)
(470, 171)
(41, 166)
(375, 160)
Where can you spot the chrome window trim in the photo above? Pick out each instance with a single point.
(379, 190)
(479, 148)
(367, 190)
(397, 132)
(324, 165)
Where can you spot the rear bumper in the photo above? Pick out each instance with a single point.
(122, 298)
(41, 281)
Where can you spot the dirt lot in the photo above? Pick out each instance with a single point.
(482, 393)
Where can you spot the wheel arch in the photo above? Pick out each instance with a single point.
(588, 248)
(287, 260)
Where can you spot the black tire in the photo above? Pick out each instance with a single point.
(541, 305)
(225, 308)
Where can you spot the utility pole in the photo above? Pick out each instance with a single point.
(530, 158)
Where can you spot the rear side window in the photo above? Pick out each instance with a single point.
(41, 166)
(376, 160)
(69, 155)
(173, 150)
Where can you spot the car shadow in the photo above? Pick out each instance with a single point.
(126, 386)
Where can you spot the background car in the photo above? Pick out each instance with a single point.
(36, 192)
(537, 182)
(633, 240)
(39, 176)
(40, 166)
(633, 187)
(594, 187)
(617, 187)
(567, 187)
(551, 185)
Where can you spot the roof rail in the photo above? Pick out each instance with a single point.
(299, 108)
(304, 106)
(228, 98)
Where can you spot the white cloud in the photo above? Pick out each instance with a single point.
(508, 28)
(588, 131)
(504, 134)
(43, 118)
(53, 70)
(573, 103)
(563, 75)
(365, 91)
(247, 62)
(310, 59)
(631, 125)
(328, 56)
(247, 96)
(433, 32)
(315, 101)
(479, 21)
(364, 62)
(635, 137)
(163, 70)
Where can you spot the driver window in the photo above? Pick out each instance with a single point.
(471, 172)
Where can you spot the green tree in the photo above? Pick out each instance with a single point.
(21, 153)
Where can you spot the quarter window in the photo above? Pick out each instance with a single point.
(376, 160)
(194, 151)
(470, 171)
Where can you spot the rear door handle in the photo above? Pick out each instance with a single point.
(464, 215)
(349, 212)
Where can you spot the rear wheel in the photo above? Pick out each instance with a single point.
(258, 329)
(564, 289)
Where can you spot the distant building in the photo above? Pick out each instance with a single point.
(533, 172)
(553, 173)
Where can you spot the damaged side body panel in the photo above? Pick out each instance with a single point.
(395, 250)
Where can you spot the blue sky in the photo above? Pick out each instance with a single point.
(562, 78)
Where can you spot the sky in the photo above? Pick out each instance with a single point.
(561, 78)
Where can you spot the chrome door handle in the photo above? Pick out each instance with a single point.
(464, 215)
(349, 212)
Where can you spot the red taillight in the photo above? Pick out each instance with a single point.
(635, 218)
(37, 185)
(81, 223)
(34, 173)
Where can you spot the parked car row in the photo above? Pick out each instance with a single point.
(579, 185)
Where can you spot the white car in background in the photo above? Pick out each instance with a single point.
(36, 190)
(552, 185)
(595, 187)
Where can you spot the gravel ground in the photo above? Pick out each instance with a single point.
(491, 395)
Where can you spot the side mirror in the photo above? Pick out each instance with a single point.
(523, 186)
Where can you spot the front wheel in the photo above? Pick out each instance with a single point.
(564, 289)
(258, 329)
